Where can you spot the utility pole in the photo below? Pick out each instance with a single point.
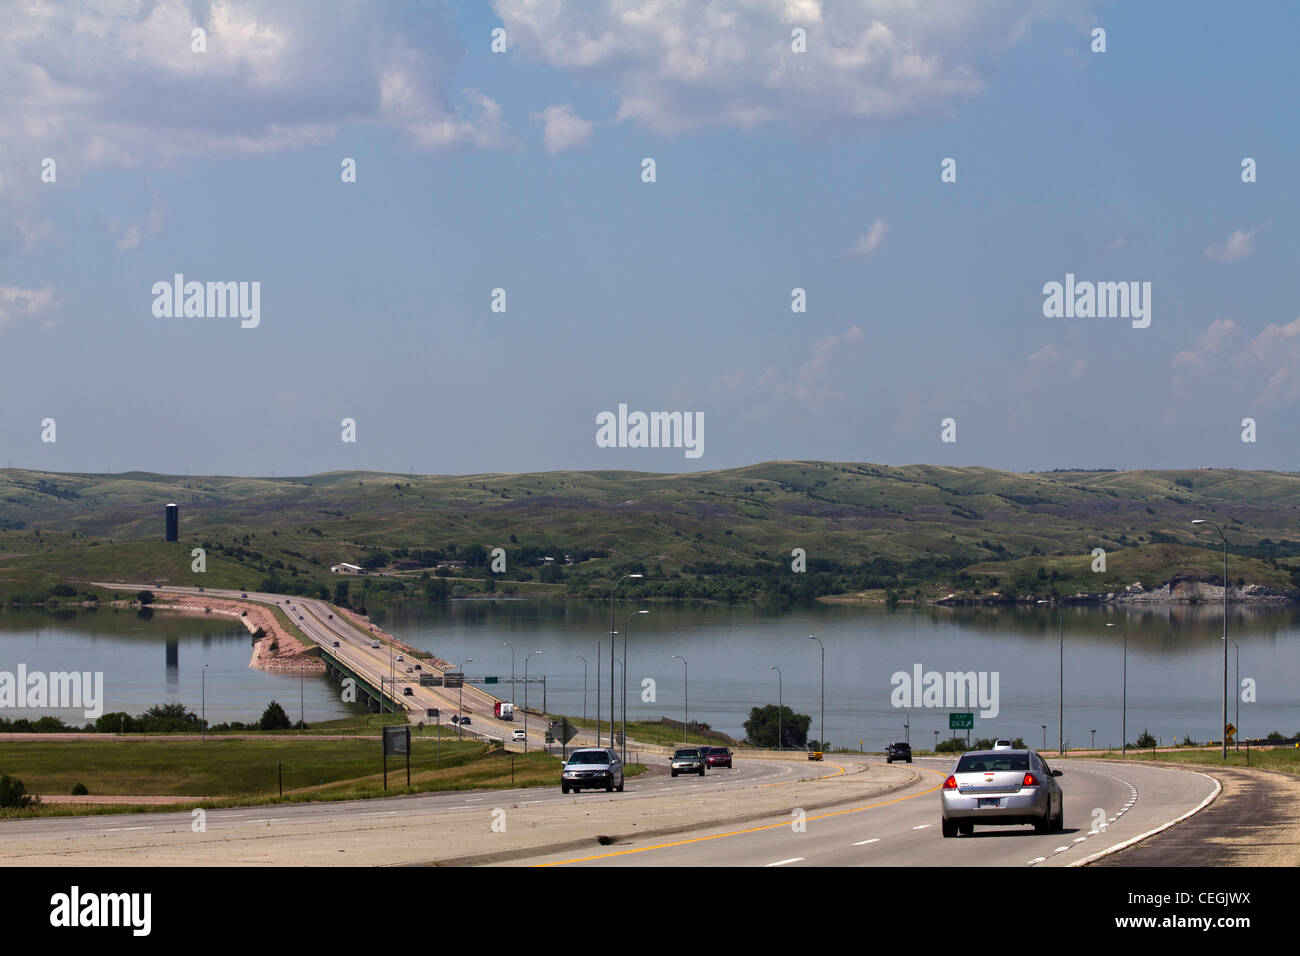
(822, 742)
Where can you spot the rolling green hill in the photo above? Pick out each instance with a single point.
(863, 526)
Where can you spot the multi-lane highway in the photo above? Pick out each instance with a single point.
(324, 625)
(1106, 805)
(766, 812)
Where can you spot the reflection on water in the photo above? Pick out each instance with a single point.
(161, 658)
(1175, 663)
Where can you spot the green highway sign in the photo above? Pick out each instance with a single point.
(490, 680)
(961, 721)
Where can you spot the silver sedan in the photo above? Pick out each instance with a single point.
(1001, 788)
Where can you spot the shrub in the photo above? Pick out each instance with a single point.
(79, 790)
(274, 718)
(13, 795)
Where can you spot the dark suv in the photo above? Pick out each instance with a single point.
(717, 756)
(898, 751)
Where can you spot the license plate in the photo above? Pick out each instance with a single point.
(989, 802)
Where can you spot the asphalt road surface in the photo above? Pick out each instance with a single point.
(902, 828)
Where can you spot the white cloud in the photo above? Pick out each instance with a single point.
(17, 303)
(563, 128)
(1264, 370)
(1272, 361)
(681, 66)
(1213, 341)
(871, 240)
(97, 82)
(1239, 244)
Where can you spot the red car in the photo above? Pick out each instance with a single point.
(717, 757)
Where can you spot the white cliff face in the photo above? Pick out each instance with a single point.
(1201, 592)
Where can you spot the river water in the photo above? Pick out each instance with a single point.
(1175, 664)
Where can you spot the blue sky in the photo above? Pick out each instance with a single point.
(478, 170)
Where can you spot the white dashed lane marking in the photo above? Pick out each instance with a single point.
(793, 859)
(865, 842)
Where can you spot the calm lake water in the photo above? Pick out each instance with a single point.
(1174, 663)
(160, 660)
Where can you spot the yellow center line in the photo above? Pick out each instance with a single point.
(826, 776)
(732, 833)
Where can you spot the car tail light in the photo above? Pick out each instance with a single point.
(950, 783)
(1029, 781)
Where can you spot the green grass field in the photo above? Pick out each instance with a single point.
(230, 772)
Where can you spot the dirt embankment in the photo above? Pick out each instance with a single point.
(276, 650)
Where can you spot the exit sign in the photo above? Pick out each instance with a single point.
(961, 721)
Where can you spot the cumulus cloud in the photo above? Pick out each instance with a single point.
(1264, 370)
(17, 303)
(681, 66)
(89, 82)
(562, 128)
(871, 240)
(1239, 244)
(1272, 361)
(812, 384)
(1213, 341)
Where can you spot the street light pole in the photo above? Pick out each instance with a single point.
(686, 712)
(203, 737)
(460, 699)
(1236, 693)
(1224, 724)
(1060, 705)
(1123, 745)
(822, 742)
(527, 660)
(579, 657)
(597, 692)
(1044, 726)
(780, 706)
(512, 670)
(612, 588)
(626, 625)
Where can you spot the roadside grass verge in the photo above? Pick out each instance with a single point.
(660, 733)
(1285, 759)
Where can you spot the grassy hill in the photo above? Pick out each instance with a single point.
(862, 525)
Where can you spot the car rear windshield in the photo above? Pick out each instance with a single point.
(993, 763)
(589, 756)
(685, 754)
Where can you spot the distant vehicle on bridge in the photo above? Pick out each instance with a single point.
(503, 710)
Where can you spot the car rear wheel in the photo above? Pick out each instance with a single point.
(949, 828)
(1045, 824)
(1058, 821)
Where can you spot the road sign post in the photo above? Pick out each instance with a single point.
(397, 740)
